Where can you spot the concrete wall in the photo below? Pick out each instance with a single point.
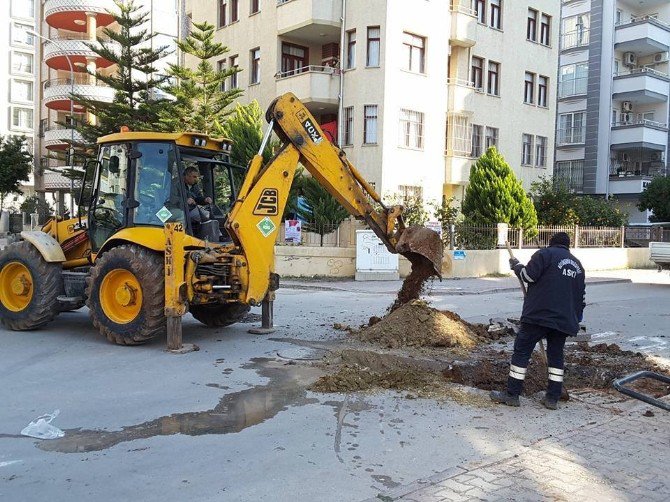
(298, 261)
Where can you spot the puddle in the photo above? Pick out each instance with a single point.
(387, 481)
(234, 413)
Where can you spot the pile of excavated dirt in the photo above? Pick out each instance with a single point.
(415, 324)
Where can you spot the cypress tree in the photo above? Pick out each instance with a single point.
(495, 195)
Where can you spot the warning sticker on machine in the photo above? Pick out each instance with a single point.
(163, 214)
(266, 226)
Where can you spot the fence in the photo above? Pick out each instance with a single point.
(461, 236)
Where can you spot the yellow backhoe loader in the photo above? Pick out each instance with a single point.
(148, 247)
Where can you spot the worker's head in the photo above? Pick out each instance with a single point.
(560, 239)
(191, 175)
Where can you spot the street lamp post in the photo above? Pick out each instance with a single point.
(71, 148)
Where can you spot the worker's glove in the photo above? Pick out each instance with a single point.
(513, 262)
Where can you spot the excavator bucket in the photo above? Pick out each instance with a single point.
(422, 247)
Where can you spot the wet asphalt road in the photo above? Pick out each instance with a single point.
(234, 421)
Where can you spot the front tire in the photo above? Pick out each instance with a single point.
(29, 287)
(219, 315)
(126, 295)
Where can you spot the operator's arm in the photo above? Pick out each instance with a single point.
(196, 194)
(534, 269)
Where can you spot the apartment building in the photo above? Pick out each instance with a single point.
(18, 93)
(66, 27)
(502, 86)
(412, 91)
(614, 84)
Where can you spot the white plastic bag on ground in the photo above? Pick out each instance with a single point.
(41, 427)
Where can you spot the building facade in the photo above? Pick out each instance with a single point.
(614, 84)
(67, 28)
(412, 91)
(18, 85)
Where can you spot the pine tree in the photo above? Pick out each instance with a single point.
(201, 103)
(244, 128)
(323, 213)
(494, 195)
(135, 104)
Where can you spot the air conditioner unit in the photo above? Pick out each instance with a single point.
(625, 157)
(629, 59)
(626, 106)
(627, 118)
(660, 57)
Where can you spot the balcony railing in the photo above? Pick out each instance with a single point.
(329, 70)
(575, 38)
(572, 87)
(78, 80)
(644, 70)
(641, 122)
(642, 169)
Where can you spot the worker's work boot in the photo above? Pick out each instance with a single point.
(550, 404)
(503, 397)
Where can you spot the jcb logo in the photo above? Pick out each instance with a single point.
(312, 131)
(267, 203)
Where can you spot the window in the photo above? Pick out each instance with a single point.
(351, 49)
(232, 63)
(23, 8)
(255, 6)
(493, 86)
(531, 25)
(495, 18)
(570, 173)
(255, 76)
(370, 125)
(22, 90)
(410, 193)
(348, 125)
(545, 27)
(491, 137)
(529, 89)
(575, 31)
(526, 149)
(619, 16)
(294, 59)
(479, 6)
(20, 34)
(542, 86)
(477, 133)
(223, 11)
(414, 53)
(234, 11)
(411, 129)
(540, 151)
(221, 67)
(571, 128)
(573, 79)
(458, 135)
(476, 73)
(22, 118)
(372, 56)
(22, 62)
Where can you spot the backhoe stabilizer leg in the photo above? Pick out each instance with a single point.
(267, 316)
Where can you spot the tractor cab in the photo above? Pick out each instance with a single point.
(149, 179)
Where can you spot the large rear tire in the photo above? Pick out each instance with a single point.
(29, 287)
(219, 315)
(126, 295)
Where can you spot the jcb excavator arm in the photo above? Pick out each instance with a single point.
(264, 193)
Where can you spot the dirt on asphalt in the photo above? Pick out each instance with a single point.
(420, 350)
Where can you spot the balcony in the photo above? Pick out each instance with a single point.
(57, 137)
(318, 85)
(639, 134)
(461, 95)
(571, 136)
(71, 14)
(644, 36)
(463, 26)
(458, 170)
(575, 39)
(310, 20)
(57, 92)
(641, 85)
(76, 49)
